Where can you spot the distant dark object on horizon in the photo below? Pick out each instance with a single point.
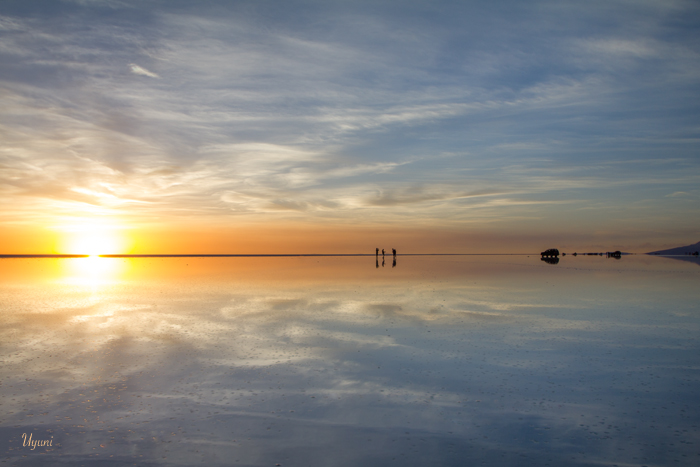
(550, 259)
(610, 254)
(551, 252)
(681, 250)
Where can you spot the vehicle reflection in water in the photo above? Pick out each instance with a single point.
(550, 259)
(445, 361)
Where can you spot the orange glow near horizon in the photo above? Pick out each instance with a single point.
(85, 236)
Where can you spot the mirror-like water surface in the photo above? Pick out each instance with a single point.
(446, 360)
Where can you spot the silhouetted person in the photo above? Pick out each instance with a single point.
(393, 250)
(382, 252)
(377, 253)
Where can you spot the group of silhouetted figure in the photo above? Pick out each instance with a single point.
(393, 251)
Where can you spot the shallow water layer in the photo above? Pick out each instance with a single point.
(335, 361)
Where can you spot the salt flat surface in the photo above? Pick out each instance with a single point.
(495, 360)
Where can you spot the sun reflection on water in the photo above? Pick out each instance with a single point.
(92, 271)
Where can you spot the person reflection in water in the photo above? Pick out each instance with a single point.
(376, 254)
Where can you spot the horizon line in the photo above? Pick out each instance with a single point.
(261, 255)
(237, 255)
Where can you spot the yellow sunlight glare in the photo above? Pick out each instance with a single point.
(93, 272)
(92, 240)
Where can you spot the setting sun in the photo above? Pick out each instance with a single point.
(92, 240)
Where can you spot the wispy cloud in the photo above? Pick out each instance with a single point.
(421, 194)
(346, 112)
(142, 71)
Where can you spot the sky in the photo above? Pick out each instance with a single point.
(341, 126)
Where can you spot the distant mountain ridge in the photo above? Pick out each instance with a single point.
(681, 250)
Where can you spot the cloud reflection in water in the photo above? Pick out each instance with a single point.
(331, 361)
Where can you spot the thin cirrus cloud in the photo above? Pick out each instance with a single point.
(142, 71)
(350, 110)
